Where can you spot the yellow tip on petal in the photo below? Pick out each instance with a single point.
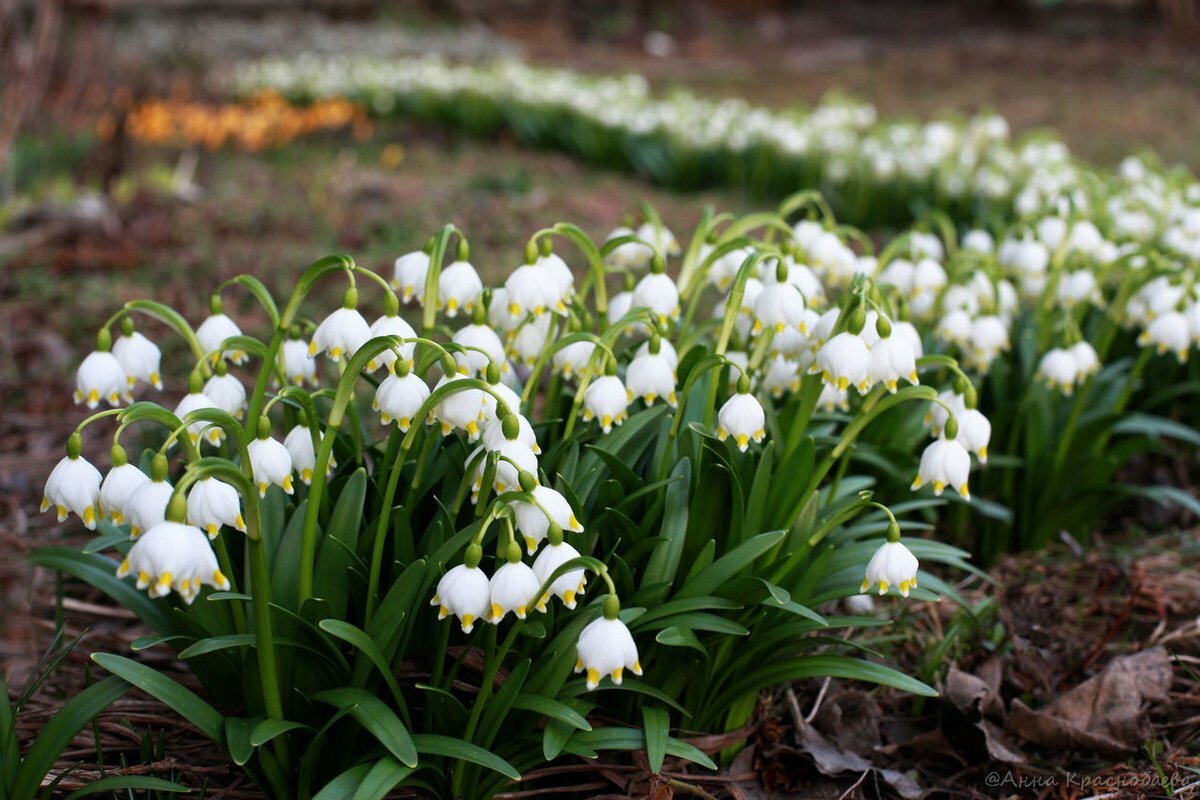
(497, 613)
(866, 584)
(468, 623)
(904, 586)
(883, 587)
(593, 678)
(617, 674)
(287, 483)
(569, 598)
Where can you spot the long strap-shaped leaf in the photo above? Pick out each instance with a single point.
(183, 701)
(59, 732)
(375, 716)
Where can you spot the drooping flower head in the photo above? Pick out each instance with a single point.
(606, 647)
(73, 486)
(464, 592)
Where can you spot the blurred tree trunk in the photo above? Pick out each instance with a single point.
(28, 44)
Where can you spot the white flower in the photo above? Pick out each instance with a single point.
(119, 484)
(954, 328)
(1087, 361)
(938, 415)
(825, 325)
(572, 359)
(340, 334)
(459, 288)
(505, 395)
(928, 277)
(298, 366)
(607, 400)
(101, 377)
(831, 399)
(270, 463)
(73, 486)
(409, 276)
(892, 358)
(845, 361)
(782, 375)
(742, 418)
(196, 401)
(989, 337)
(464, 592)
(479, 337)
(514, 587)
(618, 306)
(533, 519)
(530, 340)
(974, 432)
(299, 445)
(1059, 370)
(657, 292)
(979, 240)
(227, 393)
(660, 238)
(1169, 331)
(462, 409)
(908, 332)
(1078, 287)
(139, 358)
(493, 433)
(215, 330)
(400, 397)
(630, 255)
(172, 555)
(651, 377)
(892, 565)
(529, 290)
(606, 647)
(212, 503)
(562, 281)
(147, 506)
(945, 462)
(567, 586)
(665, 350)
(779, 306)
(497, 313)
(391, 326)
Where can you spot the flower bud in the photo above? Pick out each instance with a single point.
(547, 244)
(195, 382)
(511, 425)
(472, 556)
(743, 384)
(657, 267)
(464, 250)
(215, 306)
(781, 271)
(883, 326)
(74, 445)
(555, 534)
(612, 607)
(951, 429)
(528, 480)
(893, 531)
(513, 552)
(350, 299)
(127, 326)
(158, 468)
(531, 252)
(103, 340)
(264, 427)
(177, 508)
(493, 373)
(856, 321)
(117, 456)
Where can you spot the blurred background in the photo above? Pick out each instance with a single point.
(129, 166)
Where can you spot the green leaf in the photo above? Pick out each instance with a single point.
(553, 709)
(431, 744)
(657, 731)
(633, 739)
(730, 564)
(183, 701)
(268, 729)
(237, 739)
(664, 561)
(1156, 427)
(383, 776)
(345, 785)
(57, 733)
(821, 666)
(358, 638)
(117, 783)
(376, 717)
(339, 545)
(680, 637)
(101, 573)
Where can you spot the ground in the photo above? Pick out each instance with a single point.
(1110, 86)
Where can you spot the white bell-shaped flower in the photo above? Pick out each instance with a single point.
(529, 292)
(1087, 361)
(928, 278)
(493, 433)
(119, 484)
(954, 328)
(497, 313)
(392, 325)
(73, 487)
(568, 586)
(742, 417)
(1168, 332)
(823, 330)
(1078, 287)
(908, 332)
(831, 399)
(607, 400)
(139, 357)
(197, 401)
(530, 340)
(989, 337)
(630, 255)
(660, 238)
(1059, 370)
(172, 555)
(147, 505)
(400, 397)
(215, 330)
(465, 593)
(409, 274)
(845, 361)
(298, 366)
(270, 462)
(657, 292)
(606, 647)
(650, 377)
(101, 377)
(459, 288)
(479, 338)
(893, 564)
(778, 306)
(227, 393)
(572, 359)
(974, 432)
(340, 334)
(618, 306)
(937, 415)
(212, 503)
(514, 588)
(462, 409)
(893, 359)
(781, 376)
(945, 463)
(533, 519)
(514, 458)
(500, 391)
(979, 241)
(562, 281)
(299, 444)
